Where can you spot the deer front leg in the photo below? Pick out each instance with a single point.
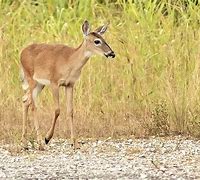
(69, 95)
(55, 92)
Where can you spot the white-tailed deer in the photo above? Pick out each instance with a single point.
(57, 65)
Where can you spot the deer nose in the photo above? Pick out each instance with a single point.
(110, 54)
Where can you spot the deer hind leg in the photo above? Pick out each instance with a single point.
(35, 90)
(26, 99)
(26, 103)
(55, 92)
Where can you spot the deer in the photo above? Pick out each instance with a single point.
(57, 65)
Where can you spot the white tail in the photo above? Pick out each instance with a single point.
(57, 65)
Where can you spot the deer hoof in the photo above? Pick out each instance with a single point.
(41, 147)
(46, 141)
(75, 145)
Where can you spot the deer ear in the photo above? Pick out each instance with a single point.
(86, 28)
(102, 29)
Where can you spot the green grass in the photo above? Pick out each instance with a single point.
(152, 87)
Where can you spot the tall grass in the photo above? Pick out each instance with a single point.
(153, 86)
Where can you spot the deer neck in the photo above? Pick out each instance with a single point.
(81, 55)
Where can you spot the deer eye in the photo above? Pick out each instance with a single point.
(97, 42)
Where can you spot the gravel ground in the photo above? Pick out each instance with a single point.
(153, 158)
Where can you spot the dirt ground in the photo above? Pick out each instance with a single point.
(153, 158)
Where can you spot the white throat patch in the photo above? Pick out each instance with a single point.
(88, 54)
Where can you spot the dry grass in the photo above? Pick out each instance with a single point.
(151, 88)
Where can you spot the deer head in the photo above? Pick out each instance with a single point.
(94, 41)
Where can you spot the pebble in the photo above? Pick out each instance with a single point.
(153, 158)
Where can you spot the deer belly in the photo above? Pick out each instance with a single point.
(42, 81)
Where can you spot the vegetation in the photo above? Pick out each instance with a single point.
(151, 88)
